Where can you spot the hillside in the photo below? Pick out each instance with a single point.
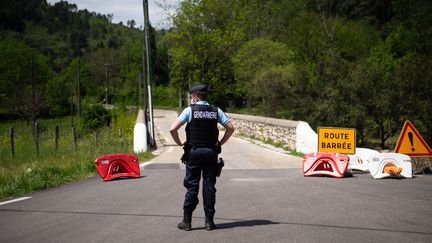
(53, 40)
(364, 64)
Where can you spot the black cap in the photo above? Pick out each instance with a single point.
(199, 88)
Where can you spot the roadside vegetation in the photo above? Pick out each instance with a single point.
(28, 170)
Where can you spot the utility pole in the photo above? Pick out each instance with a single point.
(148, 62)
(106, 82)
(139, 89)
(33, 94)
(78, 88)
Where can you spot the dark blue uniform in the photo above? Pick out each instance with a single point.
(201, 153)
(201, 156)
(201, 161)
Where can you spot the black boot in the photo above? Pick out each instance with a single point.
(209, 224)
(186, 224)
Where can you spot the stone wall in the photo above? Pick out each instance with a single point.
(267, 129)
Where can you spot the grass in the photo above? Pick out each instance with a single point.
(29, 171)
(275, 144)
(281, 145)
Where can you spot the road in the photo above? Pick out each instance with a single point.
(262, 197)
(237, 153)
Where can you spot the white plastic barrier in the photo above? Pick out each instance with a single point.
(360, 160)
(140, 134)
(390, 165)
(306, 138)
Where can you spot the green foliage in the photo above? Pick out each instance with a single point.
(20, 67)
(254, 57)
(355, 40)
(57, 97)
(29, 171)
(265, 72)
(164, 96)
(205, 36)
(94, 116)
(58, 36)
(330, 63)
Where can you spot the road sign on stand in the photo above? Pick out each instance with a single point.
(336, 140)
(411, 143)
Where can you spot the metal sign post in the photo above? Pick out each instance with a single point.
(147, 58)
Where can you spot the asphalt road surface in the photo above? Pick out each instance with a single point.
(262, 197)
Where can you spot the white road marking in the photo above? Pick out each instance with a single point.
(14, 200)
(258, 179)
(170, 149)
(277, 152)
(144, 164)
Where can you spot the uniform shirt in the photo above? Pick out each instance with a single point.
(186, 115)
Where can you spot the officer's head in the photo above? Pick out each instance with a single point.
(198, 92)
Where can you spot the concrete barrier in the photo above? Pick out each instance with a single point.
(293, 135)
(140, 134)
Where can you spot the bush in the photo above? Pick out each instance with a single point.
(94, 116)
(164, 96)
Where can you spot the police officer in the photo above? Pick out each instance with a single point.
(201, 152)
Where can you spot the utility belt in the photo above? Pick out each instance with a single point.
(189, 146)
(215, 146)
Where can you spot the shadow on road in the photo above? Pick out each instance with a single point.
(125, 178)
(239, 223)
(245, 223)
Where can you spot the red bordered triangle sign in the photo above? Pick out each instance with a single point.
(411, 143)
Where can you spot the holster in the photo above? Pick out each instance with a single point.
(220, 164)
(185, 156)
(187, 147)
(218, 148)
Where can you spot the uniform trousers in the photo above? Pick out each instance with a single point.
(201, 162)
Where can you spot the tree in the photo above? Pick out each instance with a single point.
(276, 86)
(413, 81)
(415, 18)
(103, 76)
(58, 98)
(202, 43)
(252, 65)
(381, 94)
(16, 62)
(131, 23)
(14, 13)
(374, 12)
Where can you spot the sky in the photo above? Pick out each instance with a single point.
(124, 10)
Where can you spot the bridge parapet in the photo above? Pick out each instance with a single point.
(268, 129)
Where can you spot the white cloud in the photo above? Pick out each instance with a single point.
(124, 10)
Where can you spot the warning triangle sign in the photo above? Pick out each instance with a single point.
(411, 143)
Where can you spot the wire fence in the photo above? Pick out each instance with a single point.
(40, 140)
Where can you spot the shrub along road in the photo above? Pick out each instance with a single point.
(254, 204)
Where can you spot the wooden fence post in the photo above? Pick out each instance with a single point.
(56, 137)
(74, 138)
(36, 138)
(95, 137)
(108, 134)
(11, 136)
(120, 135)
